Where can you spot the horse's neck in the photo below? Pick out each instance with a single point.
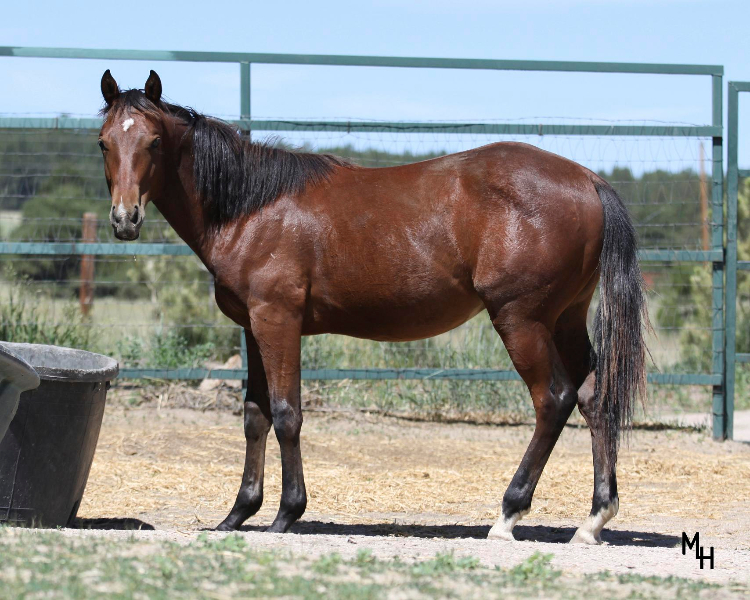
(183, 210)
(185, 219)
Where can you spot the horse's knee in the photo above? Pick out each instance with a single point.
(287, 420)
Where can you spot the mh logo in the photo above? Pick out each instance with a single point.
(699, 555)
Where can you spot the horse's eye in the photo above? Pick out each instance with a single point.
(101, 145)
(155, 143)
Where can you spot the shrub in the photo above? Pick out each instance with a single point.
(24, 318)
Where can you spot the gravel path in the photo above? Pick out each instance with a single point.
(412, 490)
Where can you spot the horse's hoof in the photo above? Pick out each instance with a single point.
(277, 528)
(224, 527)
(500, 533)
(583, 536)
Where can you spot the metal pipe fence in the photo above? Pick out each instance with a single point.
(671, 176)
(738, 296)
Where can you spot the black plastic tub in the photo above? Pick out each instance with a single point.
(46, 455)
(16, 377)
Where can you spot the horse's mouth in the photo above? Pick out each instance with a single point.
(127, 234)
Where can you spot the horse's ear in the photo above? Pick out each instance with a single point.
(110, 91)
(153, 88)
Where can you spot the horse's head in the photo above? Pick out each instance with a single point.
(131, 143)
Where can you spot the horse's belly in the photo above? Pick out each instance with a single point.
(395, 321)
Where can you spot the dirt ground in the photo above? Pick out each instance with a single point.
(411, 489)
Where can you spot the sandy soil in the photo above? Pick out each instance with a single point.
(412, 489)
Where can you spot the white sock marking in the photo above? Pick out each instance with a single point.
(503, 529)
(590, 531)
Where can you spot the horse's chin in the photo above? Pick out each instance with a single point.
(127, 235)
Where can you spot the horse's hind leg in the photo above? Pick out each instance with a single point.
(572, 340)
(533, 352)
(257, 425)
(605, 502)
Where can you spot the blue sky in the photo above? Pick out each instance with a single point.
(682, 31)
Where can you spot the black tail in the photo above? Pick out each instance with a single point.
(619, 325)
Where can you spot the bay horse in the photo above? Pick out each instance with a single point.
(304, 244)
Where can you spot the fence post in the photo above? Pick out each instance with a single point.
(244, 90)
(718, 297)
(732, 192)
(86, 292)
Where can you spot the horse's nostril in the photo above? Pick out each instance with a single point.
(135, 215)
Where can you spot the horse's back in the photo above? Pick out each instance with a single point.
(526, 223)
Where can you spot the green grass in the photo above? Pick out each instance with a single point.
(24, 319)
(48, 563)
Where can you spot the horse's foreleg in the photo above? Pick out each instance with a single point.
(605, 502)
(535, 357)
(257, 425)
(279, 341)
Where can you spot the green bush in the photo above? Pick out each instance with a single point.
(166, 350)
(23, 318)
(691, 288)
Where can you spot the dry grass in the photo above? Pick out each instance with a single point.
(180, 469)
(225, 396)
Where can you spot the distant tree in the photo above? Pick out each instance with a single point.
(665, 206)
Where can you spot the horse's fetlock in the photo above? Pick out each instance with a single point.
(295, 505)
(605, 495)
(616, 505)
(250, 499)
(516, 500)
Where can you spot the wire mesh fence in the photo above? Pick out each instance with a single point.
(158, 311)
(61, 171)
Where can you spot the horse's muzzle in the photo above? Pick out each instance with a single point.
(126, 227)
(127, 234)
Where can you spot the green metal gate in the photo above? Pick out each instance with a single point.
(734, 175)
(720, 375)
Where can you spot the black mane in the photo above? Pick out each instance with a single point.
(234, 176)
